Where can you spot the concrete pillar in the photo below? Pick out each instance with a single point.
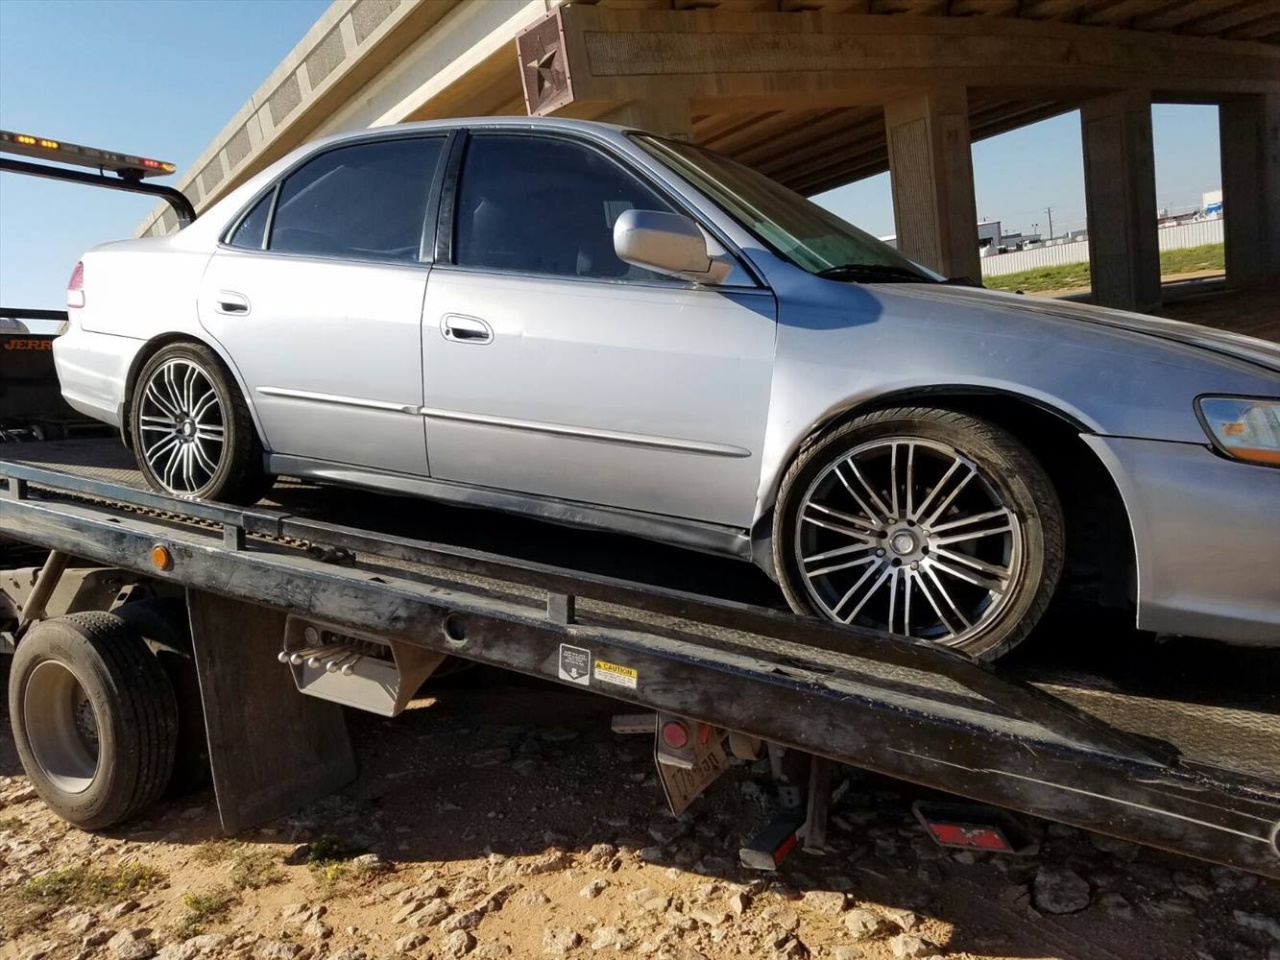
(1249, 128)
(670, 118)
(1120, 197)
(931, 173)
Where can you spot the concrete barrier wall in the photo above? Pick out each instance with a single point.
(1194, 234)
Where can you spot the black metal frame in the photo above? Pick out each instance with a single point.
(893, 706)
(176, 199)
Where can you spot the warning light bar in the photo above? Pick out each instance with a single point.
(42, 148)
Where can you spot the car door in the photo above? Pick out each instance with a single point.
(555, 369)
(317, 297)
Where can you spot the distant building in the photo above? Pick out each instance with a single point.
(1211, 203)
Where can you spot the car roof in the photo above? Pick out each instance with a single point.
(599, 129)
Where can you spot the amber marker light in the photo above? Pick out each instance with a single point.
(161, 558)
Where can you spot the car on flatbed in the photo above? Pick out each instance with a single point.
(607, 328)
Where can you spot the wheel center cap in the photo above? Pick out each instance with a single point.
(903, 543)
(188, 428)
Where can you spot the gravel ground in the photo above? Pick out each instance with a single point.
(501, 817)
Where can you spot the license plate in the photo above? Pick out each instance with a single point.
(683, 785)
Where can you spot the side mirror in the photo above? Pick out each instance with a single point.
(666, 243)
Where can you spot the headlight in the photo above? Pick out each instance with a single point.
(1242, 428)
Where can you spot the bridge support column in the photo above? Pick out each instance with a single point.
(670, 118)
(1249, 128)
(1120, 197)
(931, 173)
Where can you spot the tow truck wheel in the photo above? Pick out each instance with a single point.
(191, 429)
(161, 623)
(94, 718)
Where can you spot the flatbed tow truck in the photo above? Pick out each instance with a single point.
(257, 606)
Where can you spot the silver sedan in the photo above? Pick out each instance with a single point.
(606, 328)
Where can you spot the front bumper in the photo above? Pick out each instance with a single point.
(1206, 534)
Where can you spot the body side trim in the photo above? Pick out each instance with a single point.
(591, 433)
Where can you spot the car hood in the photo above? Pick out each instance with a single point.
(1250, 349)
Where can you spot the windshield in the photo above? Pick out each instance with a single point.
(794, 228)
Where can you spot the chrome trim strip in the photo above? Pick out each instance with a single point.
(690, 534)
(338, 400)
(591, 433)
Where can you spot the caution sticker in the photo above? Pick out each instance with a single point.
(613, 673)
(575, 664)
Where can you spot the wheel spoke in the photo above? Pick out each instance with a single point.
(166, 407)
(833, 568)
(911, 482)
(991, 569)
(875, 497)
(991, 585)
(941, 486)
(1004, 526)
(214, 431)
(202, 406)
(922, 582)
(202, 459)
(829, 516)
(161, 448)
(893, 595)
(875, 588)
(946, 598)
(893, 490)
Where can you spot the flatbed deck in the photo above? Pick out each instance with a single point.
(1174, 744)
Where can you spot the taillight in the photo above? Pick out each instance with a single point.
(75, 286)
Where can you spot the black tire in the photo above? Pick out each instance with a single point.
(238, 476)
(131, 707)
(162, 624)
(1007, 471)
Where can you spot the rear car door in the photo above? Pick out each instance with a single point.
(555, 369)
(316, 294)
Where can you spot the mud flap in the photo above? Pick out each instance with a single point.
(271, 750)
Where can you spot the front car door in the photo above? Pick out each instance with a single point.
(317, 297)
(555, 369)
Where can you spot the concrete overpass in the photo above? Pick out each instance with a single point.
(819, 93)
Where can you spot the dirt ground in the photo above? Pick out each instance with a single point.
(501, 817)
(505, 819)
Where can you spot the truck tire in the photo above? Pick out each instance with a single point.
(94, 718)
(162, 624)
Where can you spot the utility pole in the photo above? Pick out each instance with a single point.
(1049, 211)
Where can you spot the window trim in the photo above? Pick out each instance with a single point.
(446, 230)
(430, 218)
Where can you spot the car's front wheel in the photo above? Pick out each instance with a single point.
(921, 522)
(191, 430)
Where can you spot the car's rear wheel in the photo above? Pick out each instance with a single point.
(921, 522)
(191, 429)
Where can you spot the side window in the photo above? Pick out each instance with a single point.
(252, 231)
(368, 200)
(532, 204)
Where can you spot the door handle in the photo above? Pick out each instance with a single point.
(230, 302)
(465, 329)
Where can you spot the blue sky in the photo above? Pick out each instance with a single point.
(162, 77)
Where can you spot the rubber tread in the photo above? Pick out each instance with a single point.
(146, 717)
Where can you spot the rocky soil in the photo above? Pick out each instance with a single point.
(501, 817)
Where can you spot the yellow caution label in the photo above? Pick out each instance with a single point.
(614, 673)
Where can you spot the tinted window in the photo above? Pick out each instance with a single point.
(538, 205)
(253, 228)
(366, 200)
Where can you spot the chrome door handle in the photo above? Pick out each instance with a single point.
(230, 302)
(465, 329)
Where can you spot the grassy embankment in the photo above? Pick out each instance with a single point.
(1075, 276)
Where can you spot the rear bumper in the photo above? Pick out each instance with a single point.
(93, 370)
(1207, 539)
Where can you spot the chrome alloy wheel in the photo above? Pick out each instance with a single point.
(182, 425)
(905, 535)
(62, 726)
